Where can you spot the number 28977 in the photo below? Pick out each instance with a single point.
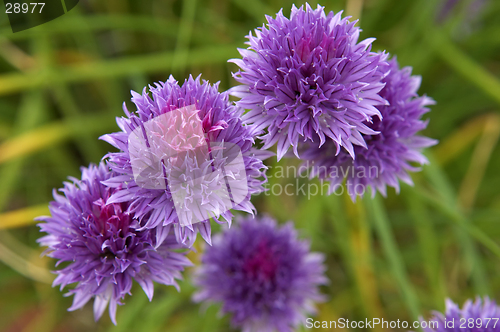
(16, 8)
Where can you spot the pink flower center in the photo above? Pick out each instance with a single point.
(262, 264)
(111, 214)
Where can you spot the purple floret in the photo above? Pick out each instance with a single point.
(388, 156)
(261, 274)
(482, 315)
(308, 78)
(222, 124)
(101, 247)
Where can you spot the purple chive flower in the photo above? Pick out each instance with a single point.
(473, 10)
(387, 156)
(308, 78)
(101, 246)
(483, 315)
(204, 119)
(447, 7)
(262, 274)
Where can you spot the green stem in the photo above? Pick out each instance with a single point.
(429, 245)
(383, 230)
(184, 35)
(446, 202)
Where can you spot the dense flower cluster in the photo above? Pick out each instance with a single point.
(482, 315)
(262, 274)
(186, 155)
(389, 154)
(308, 78)
(220, 123)
(102, 247)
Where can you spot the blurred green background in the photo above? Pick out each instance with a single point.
(62, 85)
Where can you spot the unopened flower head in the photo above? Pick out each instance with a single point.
(481, 315)
(101, 246)
(308, 78)
(261, 274)
(185, 157)
(388, 156)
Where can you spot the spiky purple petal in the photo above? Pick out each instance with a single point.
(102, 247)
(389, 155)
(221, 124)
(308, 78)
(262, 274)
(482, 315)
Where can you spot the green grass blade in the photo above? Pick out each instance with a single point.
(446, 199)
(115, 68)
(429, 246)
(383, 230)
(466, 66)
(53, 133)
